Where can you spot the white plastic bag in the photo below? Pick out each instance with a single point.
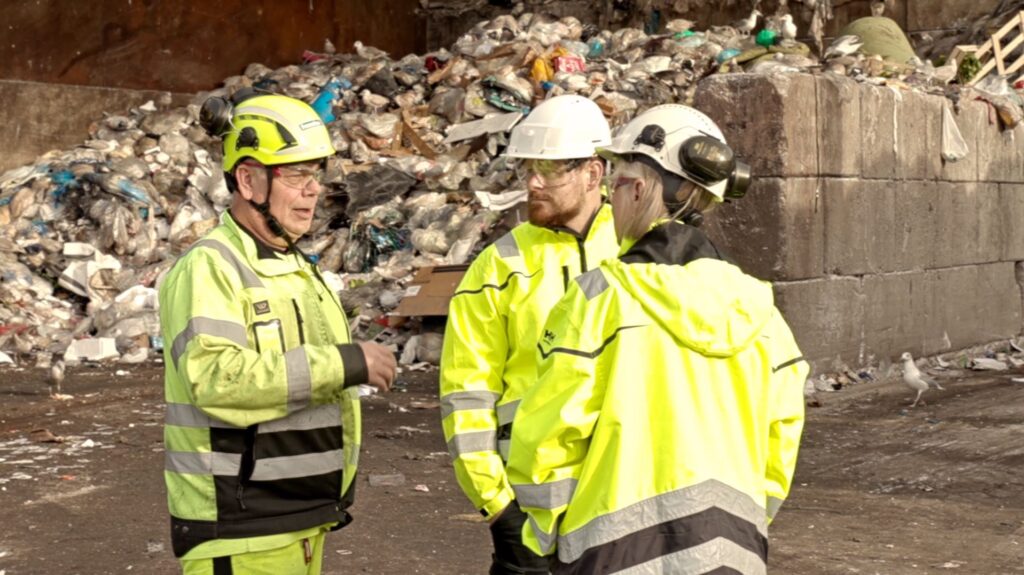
(954, 148)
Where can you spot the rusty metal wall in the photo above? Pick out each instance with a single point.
(187, 46)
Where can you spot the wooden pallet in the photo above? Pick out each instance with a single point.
(993, 53)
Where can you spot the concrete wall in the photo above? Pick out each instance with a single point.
(875, 246)
(43, 117)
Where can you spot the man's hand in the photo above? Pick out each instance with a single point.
(380, 365)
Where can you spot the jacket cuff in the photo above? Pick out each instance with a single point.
(498, 504)
(354, 363)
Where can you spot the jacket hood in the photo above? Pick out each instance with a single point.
(683, 283)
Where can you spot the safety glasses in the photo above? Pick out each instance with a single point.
(614, 182)
(551, 172)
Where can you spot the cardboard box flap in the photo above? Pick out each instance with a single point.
(430, 291)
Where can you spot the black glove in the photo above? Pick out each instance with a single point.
(511, 556)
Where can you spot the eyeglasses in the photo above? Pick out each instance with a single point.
(553, 173)
(613, 183)
(297, 177)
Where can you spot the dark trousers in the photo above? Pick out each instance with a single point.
(511, 556)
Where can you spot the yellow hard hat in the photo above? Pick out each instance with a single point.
(271, 129)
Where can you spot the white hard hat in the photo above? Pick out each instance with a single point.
(684, 142)
(562, 128)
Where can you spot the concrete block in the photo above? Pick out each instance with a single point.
(43, 117)
(826, 316)
(1011, 206)
(766, 119)
(900, 315)
(839, 126)
(935, 311)
(1002, 157)
(776, 232)
(977, 304)
(955, 221)
(915, 225)
(969, 224)
(971, 121)
(878, 133)
(991, 233)
(919, 135)
(930, 15)
(859, 226)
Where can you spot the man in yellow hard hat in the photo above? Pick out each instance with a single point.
(262, 428)
(662, 433)
(496, 315)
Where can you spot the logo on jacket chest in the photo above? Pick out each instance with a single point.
(261, 307)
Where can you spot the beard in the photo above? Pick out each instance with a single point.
(551, 213)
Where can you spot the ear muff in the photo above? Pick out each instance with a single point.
(707, 160)
(215, 116)
(739, 181)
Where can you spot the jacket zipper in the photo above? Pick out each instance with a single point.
(583, 255)
(565, 278)
(247, 465)
(298, 318)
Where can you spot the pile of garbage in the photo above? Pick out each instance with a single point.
(419, 179)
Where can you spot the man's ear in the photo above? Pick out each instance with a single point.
(595, 171)
(244, 178)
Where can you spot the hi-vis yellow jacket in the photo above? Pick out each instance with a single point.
(490, 344)
(664, 428)
(262, 426)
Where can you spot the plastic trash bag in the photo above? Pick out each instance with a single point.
(954, 148)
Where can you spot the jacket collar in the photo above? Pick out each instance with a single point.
(260, 257)
(672, 243)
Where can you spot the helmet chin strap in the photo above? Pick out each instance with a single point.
(275, 226)
(278, 230)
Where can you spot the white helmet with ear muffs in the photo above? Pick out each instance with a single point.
(681, 142)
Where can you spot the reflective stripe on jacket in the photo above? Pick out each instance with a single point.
(489, 355)
(663, 430)
(262, 427)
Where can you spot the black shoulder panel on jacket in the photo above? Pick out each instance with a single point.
(673, 243)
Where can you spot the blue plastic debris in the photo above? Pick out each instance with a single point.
(65, 180)
(323, 105)
(133, 191)
(727, 54)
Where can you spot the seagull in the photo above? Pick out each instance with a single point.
(914, 378)
(368, 52)
(844, 46)
(747, 25)
(23, 345)
(788, 27)
(56, 377)
(945, 73)
(810, 394)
